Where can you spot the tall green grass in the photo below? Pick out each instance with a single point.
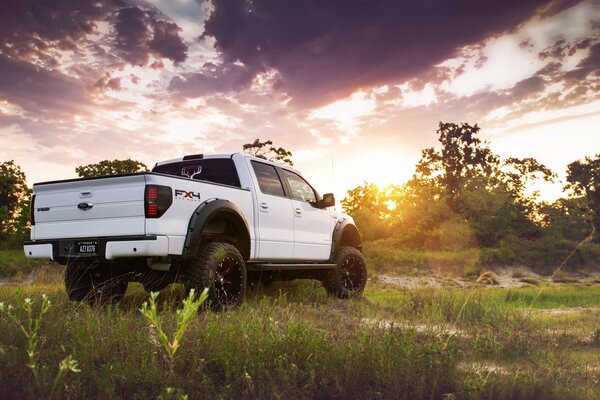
(292, 341)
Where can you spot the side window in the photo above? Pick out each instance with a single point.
(268, 180)
(301, 190)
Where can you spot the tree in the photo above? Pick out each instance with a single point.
(113, 167)
(368, 205)
(462, 160)
(583, 178)
(267, 151)
(14, 200)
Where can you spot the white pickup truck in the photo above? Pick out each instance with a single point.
(216, 221)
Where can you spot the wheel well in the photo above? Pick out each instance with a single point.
(230, 228)
(351, 237)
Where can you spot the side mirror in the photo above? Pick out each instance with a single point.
(327, 201)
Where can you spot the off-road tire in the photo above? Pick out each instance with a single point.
(220, 268)
(349, 277)
(94, 283)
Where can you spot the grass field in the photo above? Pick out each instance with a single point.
(14, 263)
(292, 341)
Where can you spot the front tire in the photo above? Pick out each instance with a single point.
(349, 277)
(220, 268)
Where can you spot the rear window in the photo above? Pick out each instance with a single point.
(217, 170)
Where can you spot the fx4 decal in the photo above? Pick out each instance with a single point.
(187, 195)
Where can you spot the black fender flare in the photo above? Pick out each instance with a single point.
(204, 213)
(342, 228)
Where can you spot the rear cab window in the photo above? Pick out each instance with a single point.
(217, 170)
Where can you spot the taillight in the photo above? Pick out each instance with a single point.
(157, 200)
(32, 210)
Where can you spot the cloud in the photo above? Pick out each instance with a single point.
(38, 91)
(140, 34)
(28, 27)
(326, 50)
(212, 79)
(38, 31)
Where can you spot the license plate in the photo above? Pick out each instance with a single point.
(86, 247)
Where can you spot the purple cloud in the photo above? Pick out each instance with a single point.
(140, 34)
(324, 50)
(29, 28)
(212, 79)
(40, 91)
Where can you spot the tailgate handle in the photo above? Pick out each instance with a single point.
(85, 206)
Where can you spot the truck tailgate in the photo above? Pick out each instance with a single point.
(109, 206)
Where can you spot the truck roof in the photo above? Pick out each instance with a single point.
(221, 155)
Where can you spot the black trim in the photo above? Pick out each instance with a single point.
(289, 266)
(338, 233)
(193, 157)
(203, 213)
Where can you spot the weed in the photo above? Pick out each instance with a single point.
(184, 315)
(31, 331)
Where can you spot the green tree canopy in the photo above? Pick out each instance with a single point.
(107, 167)
(460, 163)
(583, 178)
(267, 151)
(14, 200)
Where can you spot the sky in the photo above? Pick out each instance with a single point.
(354, 89)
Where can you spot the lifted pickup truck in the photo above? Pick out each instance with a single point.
(219, 221)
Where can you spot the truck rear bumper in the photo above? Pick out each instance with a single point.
(103, 248)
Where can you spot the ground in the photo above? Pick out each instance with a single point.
(514, 334)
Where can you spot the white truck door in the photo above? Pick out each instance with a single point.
(312, 235)
(275, 215)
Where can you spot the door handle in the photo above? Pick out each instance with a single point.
(298, 211)
(264, 205)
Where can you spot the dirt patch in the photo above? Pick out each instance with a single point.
(425, 281)
(438, 330)
(565, 311)
(507, 278)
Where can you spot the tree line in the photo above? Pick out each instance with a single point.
(463, 196)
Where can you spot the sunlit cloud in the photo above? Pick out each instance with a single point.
(347, 114)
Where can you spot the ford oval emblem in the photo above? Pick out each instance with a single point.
(85, 206)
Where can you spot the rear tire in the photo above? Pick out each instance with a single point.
(220, 268)
(94, 283)
(349, 277)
